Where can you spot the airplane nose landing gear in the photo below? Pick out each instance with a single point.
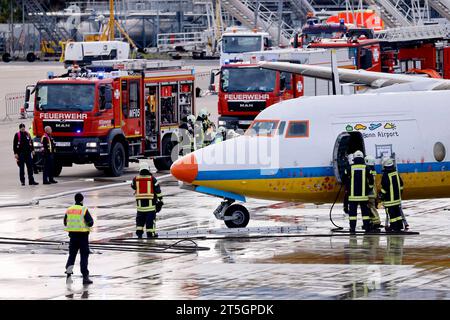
(234, 215)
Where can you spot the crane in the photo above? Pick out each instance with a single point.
(109, 28)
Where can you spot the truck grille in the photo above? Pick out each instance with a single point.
(65, 126)
(246, 105)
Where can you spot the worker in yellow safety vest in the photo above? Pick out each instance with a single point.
(391, 194)
(148, 200)
(361, 181)
(372, 204)
(78, 222)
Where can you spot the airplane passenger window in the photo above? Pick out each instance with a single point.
(298, 129)
(263, 128)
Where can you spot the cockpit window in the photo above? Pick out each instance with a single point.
(298, 129)
(263, 128)
(281, 128)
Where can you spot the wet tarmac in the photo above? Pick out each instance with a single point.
(311, 263)
(239, 266)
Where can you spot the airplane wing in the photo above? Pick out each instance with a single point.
(360, 77)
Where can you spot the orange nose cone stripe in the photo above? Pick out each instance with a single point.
(185, 169)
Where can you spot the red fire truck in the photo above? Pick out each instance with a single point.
(130, 110)
(245, 89)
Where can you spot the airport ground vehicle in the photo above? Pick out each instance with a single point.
(244, 89)
(236, 41)
(112, 118)
(83, 53)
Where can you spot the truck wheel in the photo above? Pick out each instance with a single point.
(6, 57)
(167, 147)
(57, 168)
(31, 57)
(241, 214)
(116, 160)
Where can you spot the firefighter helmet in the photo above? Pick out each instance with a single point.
(144, 166)
(388, 162)
(370, 161)
(221, 129)
(191, 118)
(203, 113)
(358, 154)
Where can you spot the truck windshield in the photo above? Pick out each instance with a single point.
(239, 44)
(248, 80)
(65, 97)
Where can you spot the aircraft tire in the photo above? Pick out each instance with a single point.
(243, 216)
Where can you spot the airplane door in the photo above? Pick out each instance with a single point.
(346, 143)
(132, 125)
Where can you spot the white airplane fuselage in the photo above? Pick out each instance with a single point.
(413, 127)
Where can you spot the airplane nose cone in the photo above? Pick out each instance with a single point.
(185, 169)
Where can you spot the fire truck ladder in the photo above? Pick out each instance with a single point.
(39, 15)
(442, 7)
(268, 21)
(437, 31)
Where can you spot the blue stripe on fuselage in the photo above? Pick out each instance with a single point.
(310, 172)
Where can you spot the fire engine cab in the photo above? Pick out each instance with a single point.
(122, 111)
(245, 89)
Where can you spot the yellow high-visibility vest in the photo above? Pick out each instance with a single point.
(75, 219)
(362, 196)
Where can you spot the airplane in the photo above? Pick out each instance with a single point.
(296, 150)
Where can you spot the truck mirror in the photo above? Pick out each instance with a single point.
(212, 79)
(27, 95)
(26, 105)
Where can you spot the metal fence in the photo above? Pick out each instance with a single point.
(13, 105)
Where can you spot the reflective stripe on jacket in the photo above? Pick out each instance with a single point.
(358, 182)
(372, 193)
(394, 187)
(75, 219)
(50, 146)
(144, 187)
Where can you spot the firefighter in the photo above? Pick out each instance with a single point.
(23, 151)
(187, 135)
(372, 204)
(221, 135)
(48, 156)
(391, 190)
(360, 183)
(78, 222)
(149, 201)
(206, 126)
